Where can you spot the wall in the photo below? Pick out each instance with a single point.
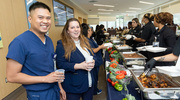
(93, 19)
(107, 18)
(172, 8)
(140, 16)
(127, 19)
(13, 22)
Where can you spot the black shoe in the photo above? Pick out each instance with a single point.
(99, 91)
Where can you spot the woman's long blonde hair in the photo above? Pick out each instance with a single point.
(68, 42)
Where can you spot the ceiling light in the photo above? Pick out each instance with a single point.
(134, 8)
(103, 13)
(103, 5)
(104, 10)
(146, 2)
(130, 11)
(92, 1)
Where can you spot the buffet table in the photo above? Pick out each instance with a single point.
(114, 94)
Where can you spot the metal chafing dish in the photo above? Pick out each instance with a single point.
(157, 93)
(123, 48)
(133, 61)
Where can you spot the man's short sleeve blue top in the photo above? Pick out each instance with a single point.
(35, 57)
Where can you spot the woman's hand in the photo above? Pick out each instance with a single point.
(102, 46)
(62, 94)
(82, 65)
(90, 65)
(85, 66)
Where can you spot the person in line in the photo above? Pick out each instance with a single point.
(100, 35)
(166, 58)
(120, 29)
(93, 34)
(87, 32)
(126, 29)
(97, 28)
(72, 50)
(30, 58)
(164, 36)
(148, 30)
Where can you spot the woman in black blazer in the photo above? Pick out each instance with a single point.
(164, 36)
(148, 30)
(71, 52)
(135, 30)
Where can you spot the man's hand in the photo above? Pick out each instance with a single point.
(54, 77)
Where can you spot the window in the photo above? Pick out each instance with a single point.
(111, 24)
(94, 27)
(117, 23)
(177, 18)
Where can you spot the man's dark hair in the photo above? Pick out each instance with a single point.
(38, 5)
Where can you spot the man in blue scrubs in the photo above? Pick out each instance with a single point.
(30, 58)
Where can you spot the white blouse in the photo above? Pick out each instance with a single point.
(85, 54)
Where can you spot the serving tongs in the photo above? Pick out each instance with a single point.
(145, 73)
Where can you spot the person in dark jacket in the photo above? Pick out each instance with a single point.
(174, 56)
(164, 36)
(126, 29)
(148, 30)
(100, 35)
(97, 50)
(136, 27)
(93, 33)
(71, 51)
(135, 31)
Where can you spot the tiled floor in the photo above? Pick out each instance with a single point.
(102, 85)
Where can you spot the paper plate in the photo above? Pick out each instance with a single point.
(156, 49)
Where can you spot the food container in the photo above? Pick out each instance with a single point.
(115, 41)
(106, 33)
(108, 44)
(133, 60)
(157, 93)
(123, 48)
